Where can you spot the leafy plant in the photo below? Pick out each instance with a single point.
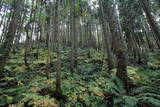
(117, 90)
(35, 100)
(144, 94)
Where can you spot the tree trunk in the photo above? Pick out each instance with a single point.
(147, 36)
(58, 91)
(106, 32)
(73, 36)
(6, 46)
(119, 47)
(150, 18)
(26, 49)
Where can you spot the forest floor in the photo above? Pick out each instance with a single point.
(91, 85)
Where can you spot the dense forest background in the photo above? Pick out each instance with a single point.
(79, 53)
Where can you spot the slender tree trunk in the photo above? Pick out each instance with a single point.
(19, 31)
(73, 37)
(58, 91)
(89, 40)
(152, 23)
(32, 17)
(106, 31)
(3, 17)
(38, 42)
(98, 39)
(6, 46)
(49, 34)
(5, 28)
(26, 49)
(147, 36)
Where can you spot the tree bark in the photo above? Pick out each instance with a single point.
(147, 36)
(58, 91)
(6, 46)
(107, 33)
(73, 36)
(119, 47)
(152, 23)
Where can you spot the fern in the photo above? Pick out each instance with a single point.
(144, 89)
(32, 99)
(16, 91)
(152, 101)
(118, 91)
(148, 94)
(144, 94)
(7, 79)
(5, 99)
(119, 84)
(8, 68)
(116, 87)
(117, 100)
(130, 101)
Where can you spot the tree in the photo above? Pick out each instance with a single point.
(73, 35)
(118, 41)
(58, 92)
(107, 35)
(6, 46)
(150, 18)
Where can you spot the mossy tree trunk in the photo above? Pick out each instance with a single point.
(118, 41)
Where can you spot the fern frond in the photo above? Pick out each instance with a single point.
(130, 101)
(148, 95)
(147, 89)
(150, 100)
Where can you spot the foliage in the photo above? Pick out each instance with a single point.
(144, 94)
(90, 85)
(56, 53)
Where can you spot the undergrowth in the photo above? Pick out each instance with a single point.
(91, 85)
